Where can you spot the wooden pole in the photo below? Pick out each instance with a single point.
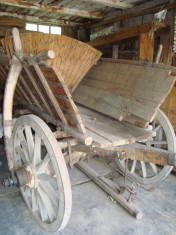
(158, 54)
(129, 206)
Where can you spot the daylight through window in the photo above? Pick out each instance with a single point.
(43, 28)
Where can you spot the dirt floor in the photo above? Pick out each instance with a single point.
(94, 212)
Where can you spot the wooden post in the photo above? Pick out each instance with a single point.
(158, 54)
(115, 51)
(146, 44)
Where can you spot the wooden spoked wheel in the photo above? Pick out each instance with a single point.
(42, 173)
(149, 173)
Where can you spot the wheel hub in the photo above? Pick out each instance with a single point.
(27, 176)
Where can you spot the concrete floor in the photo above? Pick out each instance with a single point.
(93, 212)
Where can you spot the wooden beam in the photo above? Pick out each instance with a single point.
(133, 13)
(112, 3)
(127, 33)
(100, 181)
(43, 20)
(133, 151)
(148, 5)
(54, 9)
(146, 44)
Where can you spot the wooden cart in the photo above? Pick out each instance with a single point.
(116, 115)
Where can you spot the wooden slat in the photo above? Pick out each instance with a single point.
(111, 132)
(29, 18)
(54, 9)
(111, 3)
(73, 58)
(49, 93)
(125, 91)
(63, 101)
(38, 90)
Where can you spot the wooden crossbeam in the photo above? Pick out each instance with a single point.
(112, 3)
(54, 9)
(43, 20)
(134, 151)
(127, 33)
(141, 10)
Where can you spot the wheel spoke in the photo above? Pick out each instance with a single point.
(144, 171)
(34, 200)
(46, 186)
(133, 167)
(44, 164)
(47, 192)
(27, 192)
(20, 151)
(37, 151)
(30, 141)
(42, 209)
(157, 128)
(123, 161)
(157, 142)
(154, 167)
(149, 173)
(46, 177)
(23, 144)
(47, 203)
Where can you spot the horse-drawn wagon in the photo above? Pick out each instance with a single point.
(113, 112)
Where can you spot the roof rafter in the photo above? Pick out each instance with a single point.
(143, 9)
(36, 19)
(54, 9)
(112, 3)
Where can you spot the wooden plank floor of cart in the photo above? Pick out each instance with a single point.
(108, 132)
(94, 213)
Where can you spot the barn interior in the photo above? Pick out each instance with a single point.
(101, 75)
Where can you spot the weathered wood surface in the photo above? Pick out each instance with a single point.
(141, 10)
(127, 33)
(146, 47)
(111, 3)
(169, 107)
(106, 185)
(45, 89)
(126, 90)
(144, 153)
(51, 9)
(135, 151)
(72, 58)
(108, 132)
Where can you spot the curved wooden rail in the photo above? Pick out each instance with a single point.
(10, 86)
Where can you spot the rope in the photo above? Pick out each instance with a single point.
(153, 29)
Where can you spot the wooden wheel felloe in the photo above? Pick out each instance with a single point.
(42, 173)
(149, 173)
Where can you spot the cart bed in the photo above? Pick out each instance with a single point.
(108, 132)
